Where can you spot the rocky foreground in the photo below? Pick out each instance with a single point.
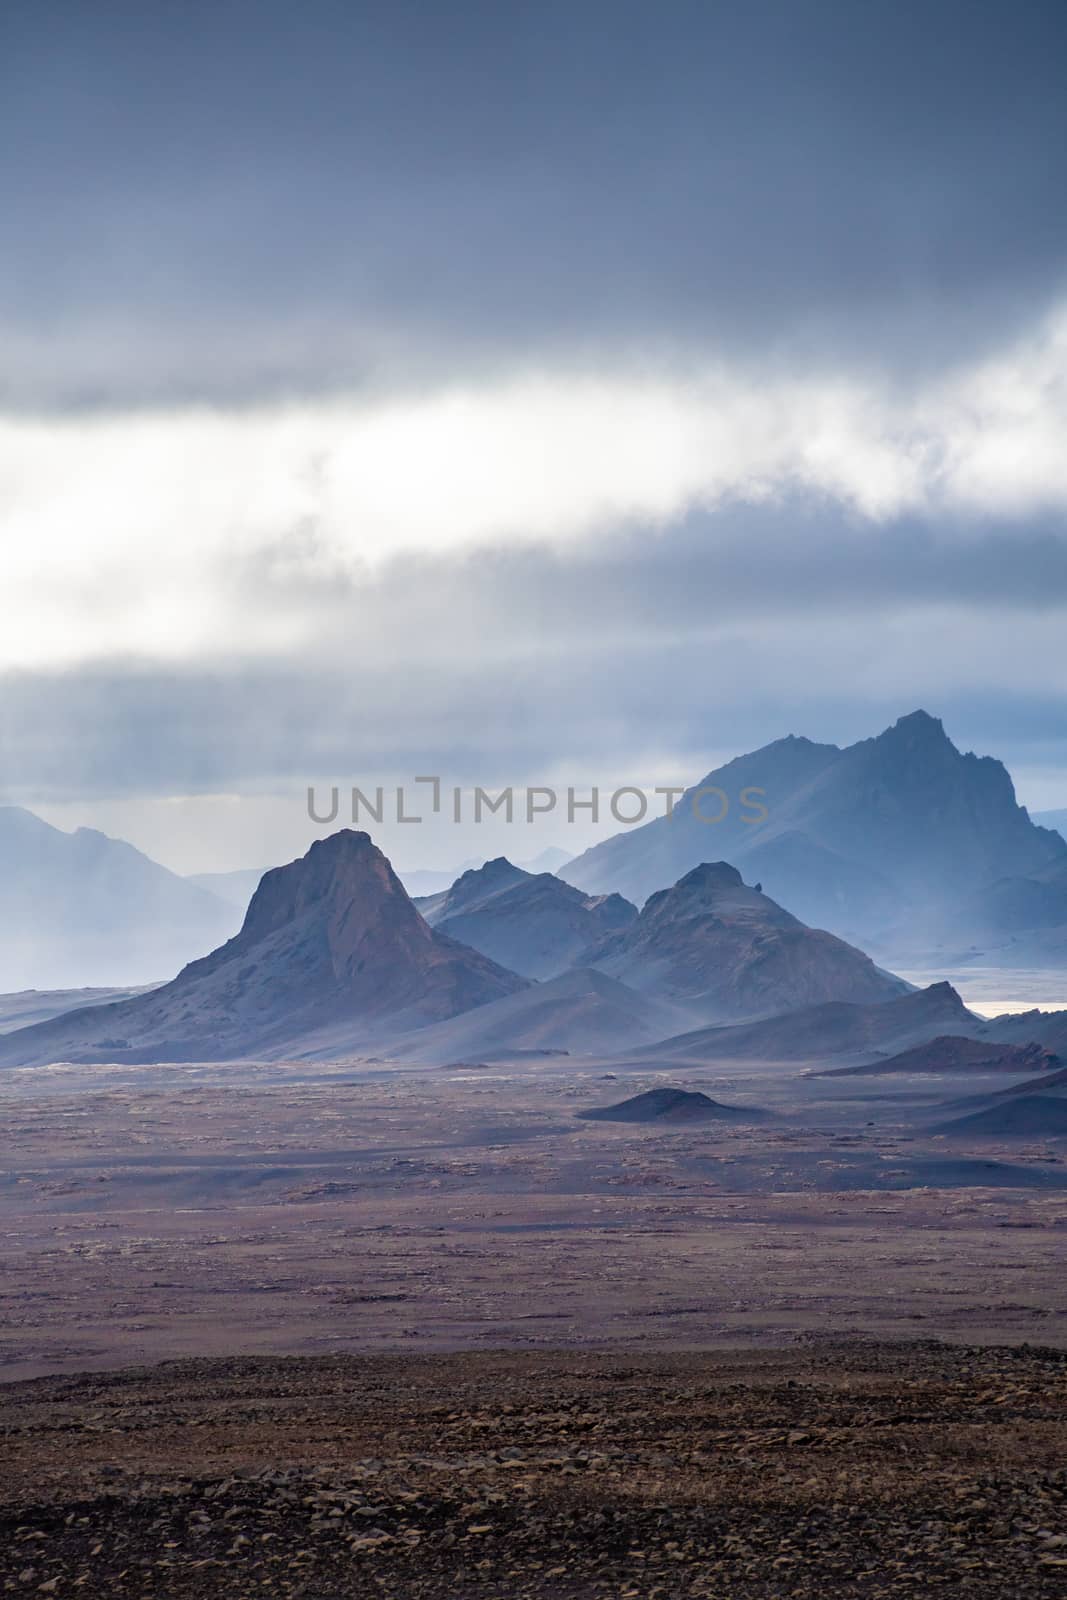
(825, 1470)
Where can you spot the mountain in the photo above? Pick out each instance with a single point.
(332, 952)
(670, 1106)
(580, 1012)
(236, 888)
(952, 1053)
(81, 909)
(533, 923)
(875, 841)
(821, 1032)
(729, 953)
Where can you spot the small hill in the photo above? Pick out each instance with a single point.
(532, 923)
(952, 1053)
(670, 1105)
(332, 952)
(730, 953)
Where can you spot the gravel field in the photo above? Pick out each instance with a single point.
(820, 1469)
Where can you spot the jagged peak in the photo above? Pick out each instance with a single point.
(917, 727)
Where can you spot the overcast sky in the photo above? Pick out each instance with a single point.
(521, 392)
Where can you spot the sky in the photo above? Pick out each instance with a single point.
(561, 393)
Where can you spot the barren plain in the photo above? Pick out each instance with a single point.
(150, 1213)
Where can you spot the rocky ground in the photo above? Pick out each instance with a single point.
(823, 1470)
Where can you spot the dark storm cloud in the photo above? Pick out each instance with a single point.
(231, 198)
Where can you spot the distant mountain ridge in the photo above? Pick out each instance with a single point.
(80, 909)
(877, 841)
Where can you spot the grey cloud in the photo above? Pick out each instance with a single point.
(721, 634)
(802, 558)
(582, 720)
(445, 186)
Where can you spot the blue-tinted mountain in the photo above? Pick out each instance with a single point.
(80, 909)
(879, 841)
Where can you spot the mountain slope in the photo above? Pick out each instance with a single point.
(80, 909)
(874, 840)
(472, 889)
(332, 951)
(643, 859)
(823, 1032)
(581, 1011)
(27, 1006)
(533, 923)
(729, 952)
